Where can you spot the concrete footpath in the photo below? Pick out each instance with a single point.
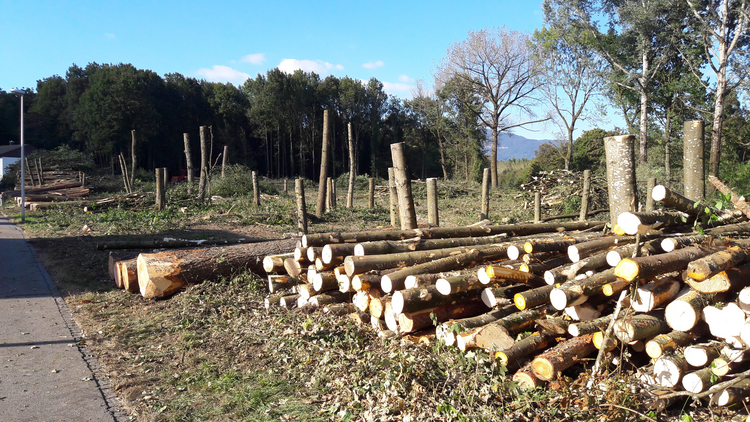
(44, 375)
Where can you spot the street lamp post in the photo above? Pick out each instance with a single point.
(23, 157)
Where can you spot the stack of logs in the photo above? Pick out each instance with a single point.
(48, 186)
(543, 297)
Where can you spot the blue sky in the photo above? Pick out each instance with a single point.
(396, 42)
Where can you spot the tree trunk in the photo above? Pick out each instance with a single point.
(731, 279)
(299, 191)
(371, 193)
(322, 181)
(128, 274)
(738, 200)
(549, 364)
(484, 215)
(708, 266)
(408, 215)
(620, 174)
(693, 161)
(651, 184)
(350, 190)
(494, 296)
(203, 181)
(381, 247)
(577, 291)
(585, 192)
(393, 197)
(700, 355)
(589, 327)
(653, 295)
(275, 263)
(420, 298)
(669, 342)
(134, 160)
(433, 216)
(669, 370)
(532, 298)
(526, 379)
(411, 322)
(524, 348)
(164, 273)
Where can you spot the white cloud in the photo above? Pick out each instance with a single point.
(404, 78)
(108, 35)
(220, 73)
(373, 65)
(398, 89)
(257, 58)
(318, 66)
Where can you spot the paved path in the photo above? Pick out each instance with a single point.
(44, 375)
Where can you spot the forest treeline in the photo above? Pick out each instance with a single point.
(658, 64)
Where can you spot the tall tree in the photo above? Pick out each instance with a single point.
(635, 40)
(497, 63)
(432, 109)
(722, 31)
(571, 78)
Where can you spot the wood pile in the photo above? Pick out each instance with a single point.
(555, 186)
(543, 298)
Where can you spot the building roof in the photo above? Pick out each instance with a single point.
(14, 151)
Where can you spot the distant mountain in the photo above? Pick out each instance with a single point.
(516, 146)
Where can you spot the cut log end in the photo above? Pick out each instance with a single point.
(627, 269)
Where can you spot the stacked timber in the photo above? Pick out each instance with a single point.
(542, 299)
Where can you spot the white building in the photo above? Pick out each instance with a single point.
(10, 154)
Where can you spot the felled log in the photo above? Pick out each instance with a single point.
(366, 281)
(639, 327)
(668, 342)
(384, 247)
(164, 273)
(726, 321)
(531, 298)
(168, 242)
(724, 364)
(410, 322)
(699, 381)
(731, 279)
(739, 201)
(377, 306)
(645, 222)
(496, 335)
(494, 296)
(275, 263)
(445, 232)
(601, 341)
(655, 294)
(577, 291)
(413, 300)
(589, 327)
(651, 266)
(686, 310)
(669, 370)
(397, 279)
(524, 348)
(700, 355)
(676, 242)
(278, 282)
(361, 264)
(544, 245)
(526, 379)
(595, 263)
(578, 251)
(708, 266)
(324, 281)
(329, 297)
(501, 272)
(462, 283)
(292, 267)
(539, 268)
(128, 274)
(619, 253)
(737, 393)
(549, 364)
(448, 329)
(698, 209)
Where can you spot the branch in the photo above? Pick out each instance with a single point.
(739, 201)
(716, 388)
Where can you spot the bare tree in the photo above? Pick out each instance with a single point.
(570, 80)
(722, 25)
(497, 63)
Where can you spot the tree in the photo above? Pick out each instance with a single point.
(498, 65)
(635, 41)
(571, 78)
(722, 31)
(432, 110)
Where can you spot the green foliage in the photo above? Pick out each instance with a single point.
(588, 151)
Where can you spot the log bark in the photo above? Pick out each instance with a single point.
(366, 281)
(324, 281)
(524, 348)
(585, 192)
(532, 298)
(464, 324)
(645, 222)
(650, 266)
(382, 247)
(737, 393)
(539, 268)
(322, 239)
(485, 212)
(639, 327)
(299, 191)
(350, 188)
(708, 266)
(433, 214)
(671, 243)
(618, 151)
(619, 253)
(203, 180)
(164, 273)
(655, 294)
(724, 322)
(323, 180)
(668, 343)
(494, 296)
(549, 364)
(581, 250)
(739, 201)
(417, 299)
(650, 185)
(500, 272)
(396, 280)
(377, 306)
(458, 284)
(693, 160)
(699, 381)
(700, 355)
(411, 322)
(686, 310)
(280, 282)
(169, 243)
(669, 370)
(188, 160)
(408, 215)
(577, 291)
(393, 195)
(361, 264)
(729, 280)
(589, 327)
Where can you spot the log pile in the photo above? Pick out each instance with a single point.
(550, 309)
(555, 186)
